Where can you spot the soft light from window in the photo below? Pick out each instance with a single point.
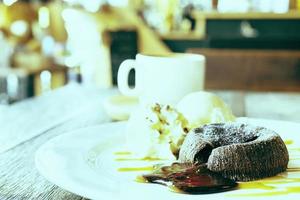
(19, 27)
(44, 17)
(83, 44)
(12, 85)
(91, 5)
(9, 2)
(48, 45)
(46, 78)
(233, 5)
(118, 2)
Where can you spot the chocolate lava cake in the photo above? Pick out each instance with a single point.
(238, 151)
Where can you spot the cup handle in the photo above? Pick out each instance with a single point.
(123, 74)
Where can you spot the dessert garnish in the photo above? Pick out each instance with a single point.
(157, 130)
(189, 178)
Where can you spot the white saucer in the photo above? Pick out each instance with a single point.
(120, 107)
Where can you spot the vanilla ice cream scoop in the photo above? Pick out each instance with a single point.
(156, 131)
(201, 108)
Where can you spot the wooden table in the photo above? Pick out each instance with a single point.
(19, 178)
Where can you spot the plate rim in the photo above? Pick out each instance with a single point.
(72, 189)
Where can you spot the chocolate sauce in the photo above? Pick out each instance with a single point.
(188, 178)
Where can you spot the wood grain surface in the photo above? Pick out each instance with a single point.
(19, 179)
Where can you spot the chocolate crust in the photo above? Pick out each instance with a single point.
(238, 151)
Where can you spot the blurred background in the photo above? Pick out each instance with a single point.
(251, 45)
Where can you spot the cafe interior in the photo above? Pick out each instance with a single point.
(59, 61)
(46, 44)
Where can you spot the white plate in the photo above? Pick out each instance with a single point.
(84, 162)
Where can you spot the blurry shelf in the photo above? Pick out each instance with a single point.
(293, 14)
(268, 70)
(30, 71)
(53, 67)
(202, 17)
(181, 35)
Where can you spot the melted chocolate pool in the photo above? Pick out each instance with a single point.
(190, 179)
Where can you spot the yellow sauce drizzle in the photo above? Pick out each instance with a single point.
(122, 153)
(288, 142)
(175, 189)
(293, 169)
(263, 185)
(138, 159)
(255, 185)
(135, 169)
(140, 179)
(260, 184)
(288, 190)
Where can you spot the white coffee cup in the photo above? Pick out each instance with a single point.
(162, 79)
